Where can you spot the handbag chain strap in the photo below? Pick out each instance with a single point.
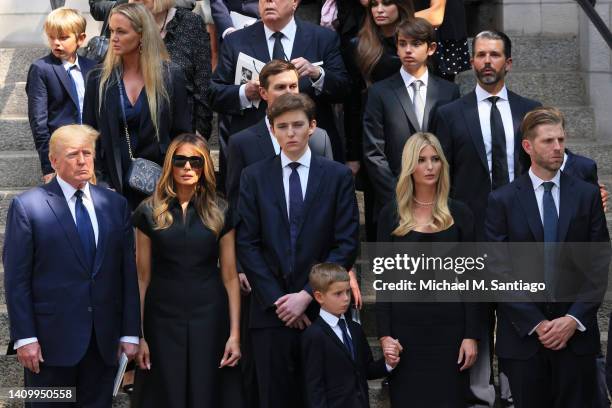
(125, 126)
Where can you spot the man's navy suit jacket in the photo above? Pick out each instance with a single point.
(315, 43)
(513, 216)
(328, 231)
(51, 101)
(457, 125)
(52, 294)
(254, 144)
(333, 378)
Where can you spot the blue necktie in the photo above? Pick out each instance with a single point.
(296, 204)
(75, 93)
(278, 52)
(85, 229)
(551, 220)
(346, 339)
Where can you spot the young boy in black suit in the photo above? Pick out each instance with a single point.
(56, 82)
(337, 360)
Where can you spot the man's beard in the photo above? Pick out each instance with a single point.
(489, 79)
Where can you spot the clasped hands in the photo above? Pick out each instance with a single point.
(391, 349)
(554, 334)
(290, 309)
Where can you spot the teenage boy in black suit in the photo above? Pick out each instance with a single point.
(337, 360)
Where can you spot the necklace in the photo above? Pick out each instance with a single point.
(421, 203)
(165, 21)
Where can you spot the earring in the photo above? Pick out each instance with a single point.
(140, 47)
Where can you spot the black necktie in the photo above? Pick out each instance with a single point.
(551, 221)
(499, 160)
(85, 229)
(346, 339)
(296, 202)
(278, 52)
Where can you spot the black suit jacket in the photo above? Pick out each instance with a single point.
(458, 128)
(329, 231)
(333, 378)
(513, 216)
(312, 42)
(173, 119)
(51, 291)
(388, 121)
(221, 9)
(581, 167)
(252, 145)
(51, 103)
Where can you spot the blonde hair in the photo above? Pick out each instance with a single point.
(65, 20)
(64, 135)
(162, 5)
(542, 115)
(324, 274)
(153, 57)
(404, 191)
(209, 207)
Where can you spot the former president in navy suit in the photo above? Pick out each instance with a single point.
(70, 276)
(548, 349)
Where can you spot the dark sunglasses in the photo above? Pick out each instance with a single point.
(196, 162)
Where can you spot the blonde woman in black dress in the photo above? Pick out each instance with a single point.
(438, 339)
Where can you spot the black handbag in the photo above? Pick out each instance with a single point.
(97, 46)
(142, 174)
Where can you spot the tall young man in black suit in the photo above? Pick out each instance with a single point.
(548, 349)
(291, 219)
(401, 105)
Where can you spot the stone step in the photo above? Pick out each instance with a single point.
(600, 152)
(555, 88)
(542, 52)
(13, 99)
(15, 133)
(15, 62)
(19, 169)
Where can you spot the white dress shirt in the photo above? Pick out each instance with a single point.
(277, 148)
(409, 79)
(68, 192)
(302, 170)
(287, 41)
(484, 113)
(564, 162)
(77, 76)
(332, 321)
(538, 188)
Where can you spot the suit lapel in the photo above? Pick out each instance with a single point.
(399, 88)
(301, 41)
(98, 202)
(529, 204)
(433, 94)
(315, 175)
(66, 82)
(567, 205)
(330, 333)
(115, 121)
(473, 123)
(59, 206)
(517, 118)
(259, 45)
(263, 139)
(276, 175)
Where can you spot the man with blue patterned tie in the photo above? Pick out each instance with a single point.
(548, 349)
(70, 276)
(290, 219)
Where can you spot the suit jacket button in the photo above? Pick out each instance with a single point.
(90, 309)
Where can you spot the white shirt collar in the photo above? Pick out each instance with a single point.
(328, 317)
(564, 161)
(304, 160)
(482, 95)
(67, 64)
(409, 79)
(69, 191)
(537, 182)
(268, 125)
(288, 31)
